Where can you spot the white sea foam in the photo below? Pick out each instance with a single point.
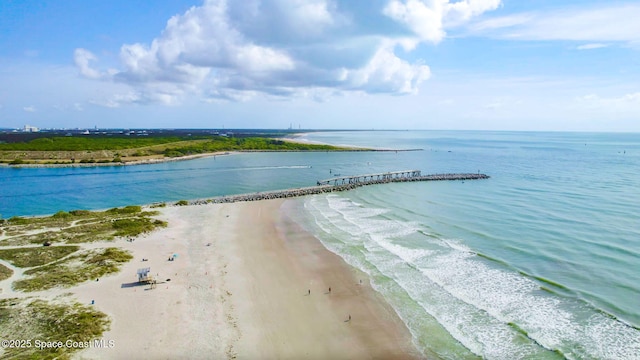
(475, 300)
(552, 321)
(455, 316)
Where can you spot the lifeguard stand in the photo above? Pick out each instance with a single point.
(144, 275)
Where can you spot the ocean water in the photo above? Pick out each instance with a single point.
(542, 260)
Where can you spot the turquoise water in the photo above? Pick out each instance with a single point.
(540, 261)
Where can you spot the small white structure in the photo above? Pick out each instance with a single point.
(29, 128)
(144, 276)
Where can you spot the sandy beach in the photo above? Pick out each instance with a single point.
(143, 160)
(246, 283)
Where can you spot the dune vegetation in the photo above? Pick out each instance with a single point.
(53, 252)
(83, 266)
(117, 150)
(51, 248)
(5, 272)
(35, 256)
(79, 226)
(48, 321)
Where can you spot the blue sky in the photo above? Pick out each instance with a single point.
(362, 64)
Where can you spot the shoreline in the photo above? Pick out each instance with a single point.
(190, 157)
(238, 289)
(128, 163)
(341, 148)
(295, 138)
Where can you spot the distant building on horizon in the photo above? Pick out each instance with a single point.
(29, 128)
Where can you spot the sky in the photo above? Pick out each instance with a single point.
(541, 65)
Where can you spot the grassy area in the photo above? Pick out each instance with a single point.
(73, 143)
(88, 232)
(245, 144)
(89, 150)
(66, 150)
(78, 268)
(136, 226)
(48, 321)
(33, 239)
(5, 272)
(127, 210)
(80, 226)
(36, 256)
(17, 224)
(62, 266)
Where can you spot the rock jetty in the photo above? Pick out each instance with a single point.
(322, 189)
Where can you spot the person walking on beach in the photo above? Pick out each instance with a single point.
(329, 289)
(309, 293)
(349, 317)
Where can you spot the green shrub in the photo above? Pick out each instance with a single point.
(17, 162)
(16, 220)
(87, 144)
(30, 256)
(110, 255)
(90, 264)
(61, 215)
(5, 272)
(173, 153)
(131, 209)
(136, 226)
(48, 321)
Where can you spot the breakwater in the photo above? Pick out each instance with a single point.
(343, 184)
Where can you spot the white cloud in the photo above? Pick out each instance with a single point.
(601, 23)
(279, 48)
(82, 57)
(634, 97)
(117, 100)
(422, 18)
(502, 22)
(462, 11)
(387, 72)
(285, 20)
(429, 18)
(217, 95)
(29, 109)
(592, 46)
